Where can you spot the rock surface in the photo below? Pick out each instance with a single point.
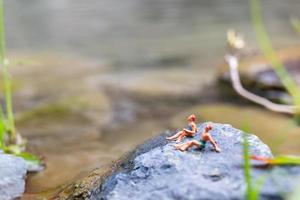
(274, 129)
(12, 176)
(157, 171)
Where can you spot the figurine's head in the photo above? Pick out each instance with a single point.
(192, 118)
(208, 127)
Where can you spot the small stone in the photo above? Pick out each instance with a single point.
(12, 176)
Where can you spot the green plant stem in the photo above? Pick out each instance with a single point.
(247, 174)
(6, 78)
(7, 124)
(2, 129)
(268, 51)
(257, 187)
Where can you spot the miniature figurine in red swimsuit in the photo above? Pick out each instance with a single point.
(190, 132)
(205, 136)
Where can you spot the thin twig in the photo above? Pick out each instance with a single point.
(236, 84)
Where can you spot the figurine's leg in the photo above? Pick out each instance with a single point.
(187, 145)
(181, 147)
(174, 137)
(181, 136)
(195, 143)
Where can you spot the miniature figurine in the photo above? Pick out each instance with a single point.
(189, 132)
(205, 136)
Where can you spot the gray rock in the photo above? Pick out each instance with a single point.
(157, 171)
(12, 176)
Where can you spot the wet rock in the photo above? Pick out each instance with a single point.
(156, 171)
(277, 130)
(12, 176)
(165, 173)
(258, 76)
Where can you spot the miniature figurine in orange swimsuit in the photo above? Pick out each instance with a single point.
(201, 143)
(190, 132)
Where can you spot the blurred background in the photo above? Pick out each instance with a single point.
(92, 79)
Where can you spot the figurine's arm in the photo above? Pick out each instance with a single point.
(213, 142)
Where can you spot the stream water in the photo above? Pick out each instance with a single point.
(95, 78)
(140, 33)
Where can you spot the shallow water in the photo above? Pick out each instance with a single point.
(95, 78)
(141, 33)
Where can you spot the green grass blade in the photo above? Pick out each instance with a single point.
(279, 160)
(17, 151)
(7, 124)
(257, 187)
(252, 191)
(29, 158)
(6, 77)
(247, 166)
(2, 129)
(33, 163)
(247, 173)
(268, 51)
(286, 160)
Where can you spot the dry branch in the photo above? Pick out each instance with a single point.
(236, 84)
